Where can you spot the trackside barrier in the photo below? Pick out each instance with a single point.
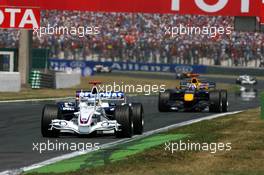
(10, 82)
(58, 80)
(67, 80)
(87, 67)
(39, 79)
(262, 106)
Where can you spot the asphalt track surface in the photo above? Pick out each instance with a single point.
(20, 127)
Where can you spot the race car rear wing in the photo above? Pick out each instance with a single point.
(210, 85)
(203, 84)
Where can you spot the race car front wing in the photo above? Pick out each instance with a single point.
(70, 126)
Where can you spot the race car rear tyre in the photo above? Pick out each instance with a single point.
(137, 117)
(123, 116)
(215, 101)
(224, 101)
(49, 113)
(164, 98)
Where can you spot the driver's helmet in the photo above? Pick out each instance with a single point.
(194, 81)
(192, 86)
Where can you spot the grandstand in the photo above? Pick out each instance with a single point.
(141, 38)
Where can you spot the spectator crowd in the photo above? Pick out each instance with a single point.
(142, 38)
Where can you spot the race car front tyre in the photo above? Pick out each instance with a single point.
(137, 117)
(49, 113)
(224, 101)
(123, 116)
(164, 97)
(215, 101)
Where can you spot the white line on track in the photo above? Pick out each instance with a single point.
(112, 144)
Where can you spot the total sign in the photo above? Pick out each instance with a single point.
(211, 7)
(12, 17)
(220, 7)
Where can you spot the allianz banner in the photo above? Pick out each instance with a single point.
(87, 67)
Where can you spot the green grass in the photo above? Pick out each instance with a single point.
(106, 156)
(244, 131)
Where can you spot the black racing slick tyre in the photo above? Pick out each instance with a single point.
(137, 117)
(224, 100)
(164, 98)
(49, 113)
(123, 116)
(215, 101)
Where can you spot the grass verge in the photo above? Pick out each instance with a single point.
(244, 131)
(28, 93)
(104, 156)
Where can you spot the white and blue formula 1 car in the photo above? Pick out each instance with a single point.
(93, 112)
(246, 80)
